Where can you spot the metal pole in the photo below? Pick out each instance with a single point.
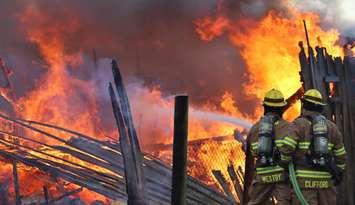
(16, 183)
(178, 195)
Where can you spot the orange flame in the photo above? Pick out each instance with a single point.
(58, 96)
(269, 48)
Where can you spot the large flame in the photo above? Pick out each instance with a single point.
(59, 97)
(269, 48)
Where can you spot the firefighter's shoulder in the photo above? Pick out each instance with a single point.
(282, 122)
(301, 121)
(332, 127)
(331, 124)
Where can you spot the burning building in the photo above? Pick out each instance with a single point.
(224, 54)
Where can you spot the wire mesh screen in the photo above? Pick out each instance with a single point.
(218, 162)
(215, 161)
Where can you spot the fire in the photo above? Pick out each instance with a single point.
(212, 155)
(205, 152)
(59, 96)
(269, 48)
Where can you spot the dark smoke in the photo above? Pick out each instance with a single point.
(154, 40)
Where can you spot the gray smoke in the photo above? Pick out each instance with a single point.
(153, 40)
(333, 13)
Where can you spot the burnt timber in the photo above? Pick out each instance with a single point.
(131, 152)
(112, 185)
(179, 176)
(102, 163)
(334, 77)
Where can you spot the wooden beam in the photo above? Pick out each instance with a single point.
(46, 195)
(4, 191)
(236, 183)
(75, 191)
(16, 183)
(224, 184)
(122, 102)
(294, 97)
(248, 176)
(135, 196)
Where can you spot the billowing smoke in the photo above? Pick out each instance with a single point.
(334, 13)
(154, 41)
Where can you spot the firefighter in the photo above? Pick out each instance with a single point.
(318, 153)
(265, 138)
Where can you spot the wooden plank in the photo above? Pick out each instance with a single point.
(16, 183)
(349, 74)
(68, 176)
(236, 183)
(4, 191)
(46, 195)
(248, 176)
(305, 71)
(75, 191)
(133, 187)
(224, 184)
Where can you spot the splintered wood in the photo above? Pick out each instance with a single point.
(99, 166)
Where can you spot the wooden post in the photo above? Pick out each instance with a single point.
(46, 195)
(248, 173)
(349, 127)
(4, 191)
(16, 183)
(129, 143)
(178, 195)
(135, 195)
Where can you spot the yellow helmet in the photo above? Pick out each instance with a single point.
(313, 96)
(274, 98)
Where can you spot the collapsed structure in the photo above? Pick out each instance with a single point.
(100, 166)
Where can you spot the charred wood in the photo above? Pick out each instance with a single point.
(46, 195)
(16, 183)
(63, 196)
(236, 183)
(133, 185)
(178, 194)
(224, 184)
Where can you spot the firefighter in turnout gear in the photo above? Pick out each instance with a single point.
(317, 150)
(265, 138)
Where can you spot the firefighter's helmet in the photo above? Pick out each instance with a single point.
(313, 96)
(274, 98)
